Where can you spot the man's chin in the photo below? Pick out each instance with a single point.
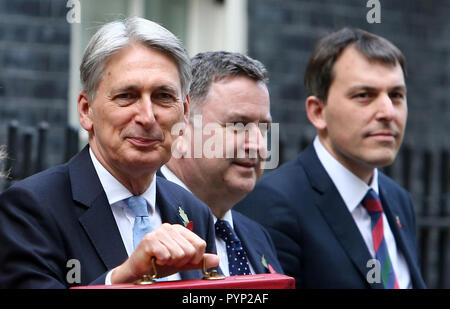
(144, 164)
(242, 187)
(382, 161)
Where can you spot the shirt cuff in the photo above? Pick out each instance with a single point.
(108, 277)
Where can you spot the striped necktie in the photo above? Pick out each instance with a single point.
(237, 260)
(142, 223)
(372, 204)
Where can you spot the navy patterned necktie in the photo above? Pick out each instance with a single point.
(237, 260)
(142, 223)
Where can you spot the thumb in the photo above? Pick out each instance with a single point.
(211, 260)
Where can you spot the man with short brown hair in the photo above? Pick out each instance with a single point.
(337, 221)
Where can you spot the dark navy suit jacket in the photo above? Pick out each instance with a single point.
(63, 213)
(256, 242)
(317, 240)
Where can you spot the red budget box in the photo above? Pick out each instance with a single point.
(260, 281)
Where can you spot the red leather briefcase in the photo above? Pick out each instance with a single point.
(211, 280)
(261, 281)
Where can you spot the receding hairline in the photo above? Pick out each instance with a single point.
(197, 103)
(354, 46)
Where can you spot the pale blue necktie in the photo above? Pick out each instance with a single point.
(142, 223)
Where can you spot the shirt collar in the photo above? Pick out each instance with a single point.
(172, 177)
(226, 217)
(351, 188)
(115, 191)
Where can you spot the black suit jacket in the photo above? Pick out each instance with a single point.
(256, 242)
(317, 240)
(63, 214)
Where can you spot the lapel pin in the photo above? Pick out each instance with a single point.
(267, 266)
(398, 221)
(187, 223)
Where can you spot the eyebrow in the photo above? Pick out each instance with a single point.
(167, 88)
(126, 88)
(374, 89)
(243, 118)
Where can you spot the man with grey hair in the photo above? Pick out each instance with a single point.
(104, 217)
(230, 107)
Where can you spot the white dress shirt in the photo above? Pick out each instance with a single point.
(220, 243)
(352, 190)
(116, 193)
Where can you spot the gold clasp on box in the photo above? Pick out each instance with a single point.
(211, 275)
(207, 275)
(148, 279)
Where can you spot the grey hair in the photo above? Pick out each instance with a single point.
(114, 36)
(211, 67)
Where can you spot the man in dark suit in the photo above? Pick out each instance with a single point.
(220, 154)
(104, 216)
(338, 222)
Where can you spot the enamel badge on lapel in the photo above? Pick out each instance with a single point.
(188, 224)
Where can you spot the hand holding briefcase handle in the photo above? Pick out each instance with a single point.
(211, 280)
(175, 249)
(150, 279)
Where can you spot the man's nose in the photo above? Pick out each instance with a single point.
(146, 116)
(385, 108)
(255, 141)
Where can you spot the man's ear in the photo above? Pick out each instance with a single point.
(84, 112)
(186, 109)
(315, 110)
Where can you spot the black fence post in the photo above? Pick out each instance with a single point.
(72, 141)
(424, 237)
(27, 147)
(444, 233)
(41, 163)
(406, 167)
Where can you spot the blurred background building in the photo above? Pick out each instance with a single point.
(42, 42)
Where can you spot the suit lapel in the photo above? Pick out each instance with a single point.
(390, 207)
(98, 220)
(336, 214)
(168, 207)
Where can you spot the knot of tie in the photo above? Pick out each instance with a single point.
(138, 205)
(225, 231)
(142, 224)
(371, 202)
